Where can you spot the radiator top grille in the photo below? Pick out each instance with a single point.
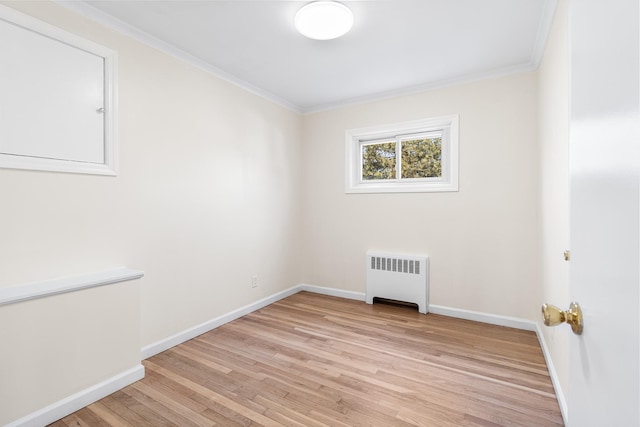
(398, 265)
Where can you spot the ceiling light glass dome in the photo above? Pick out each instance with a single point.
(324, 20)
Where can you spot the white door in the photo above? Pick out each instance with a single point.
(604, 374)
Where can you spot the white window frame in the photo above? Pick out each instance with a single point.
(447, 126)
(109, 109)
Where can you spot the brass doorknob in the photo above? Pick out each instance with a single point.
(553, 316)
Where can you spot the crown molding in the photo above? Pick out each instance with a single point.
(544, 26)
(107, 20)
(416, 90)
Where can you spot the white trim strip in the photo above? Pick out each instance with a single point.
(110, 21)
(179, 338)
(477, 316)
(544, 27)
(562, 401)
(340, 293)
(29, 291)
(422, 88)
(493, 319)
(79, 400)
(131, 31)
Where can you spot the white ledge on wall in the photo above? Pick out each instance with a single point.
(29, 291)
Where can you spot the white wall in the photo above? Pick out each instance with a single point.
(553, 116)
(54, 347)
(207, 196)
(482, 241)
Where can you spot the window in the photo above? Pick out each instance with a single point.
(416, 156)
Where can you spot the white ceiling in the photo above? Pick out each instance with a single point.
(395, 46)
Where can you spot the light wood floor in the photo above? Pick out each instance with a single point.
(312, 360)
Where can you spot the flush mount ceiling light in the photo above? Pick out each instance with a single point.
(324, 20)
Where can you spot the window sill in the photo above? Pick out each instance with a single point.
(431, 187)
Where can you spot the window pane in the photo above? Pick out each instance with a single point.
(422, 158)
(379, 161)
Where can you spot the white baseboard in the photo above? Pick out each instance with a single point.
(209, 325)
(554, 376)
(493, 319)
(513, 322)
(79, 400)
(360, 296)
(200, 329)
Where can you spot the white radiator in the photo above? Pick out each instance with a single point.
(398, 277)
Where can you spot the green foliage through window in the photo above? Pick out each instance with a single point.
(379, 161)
(421, 158)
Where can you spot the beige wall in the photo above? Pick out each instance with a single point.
(482, 241)
(54, 347)
(208, 195)
(553, 115)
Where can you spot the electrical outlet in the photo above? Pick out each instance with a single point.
(254, 281)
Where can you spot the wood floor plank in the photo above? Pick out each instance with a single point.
(103, 412)
(317, 361)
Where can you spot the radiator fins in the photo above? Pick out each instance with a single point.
(396, 265)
